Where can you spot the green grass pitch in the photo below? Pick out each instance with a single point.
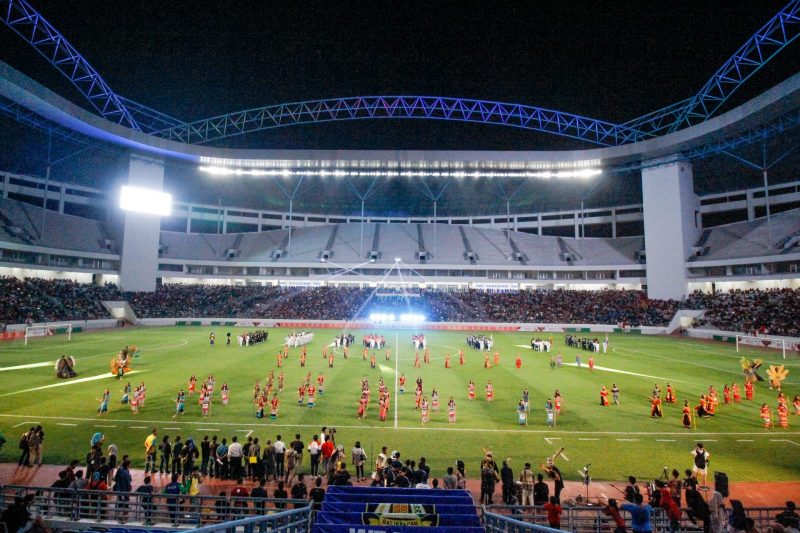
(618, 440)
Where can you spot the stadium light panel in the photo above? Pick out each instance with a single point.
(412, 318)
(533, 174)
(147, 201)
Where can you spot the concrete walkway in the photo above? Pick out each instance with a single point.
(763, 494)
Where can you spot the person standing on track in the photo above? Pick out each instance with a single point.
(701, 460)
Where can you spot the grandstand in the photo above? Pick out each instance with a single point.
(674, 216)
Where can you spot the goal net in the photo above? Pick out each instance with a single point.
(743, 341)
(32, 332)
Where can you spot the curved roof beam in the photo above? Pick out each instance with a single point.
(765, 44)
(402, 107)
(29, 24)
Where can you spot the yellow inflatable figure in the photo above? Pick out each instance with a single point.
(776, 375)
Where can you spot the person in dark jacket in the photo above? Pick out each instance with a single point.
(507, 480)
(122, 486)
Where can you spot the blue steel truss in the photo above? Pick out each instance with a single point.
(773, 37)
(768, 41)
(402, 107)
(29, 24)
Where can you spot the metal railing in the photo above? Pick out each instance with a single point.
(505, 524)
(591, 519)
(294, 521)
(93, 506)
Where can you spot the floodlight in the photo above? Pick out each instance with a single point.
(147, 201)
(412, 318)
(398, 259)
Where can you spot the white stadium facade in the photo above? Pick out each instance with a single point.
(672, 242)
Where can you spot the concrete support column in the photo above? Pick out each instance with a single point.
(751, 209)
(614, 223)
(671, 226)
(139, 265)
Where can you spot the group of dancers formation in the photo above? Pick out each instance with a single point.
(267, 396)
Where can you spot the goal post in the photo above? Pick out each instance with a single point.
(47, 330)
(771, 343)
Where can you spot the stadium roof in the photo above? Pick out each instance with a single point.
(614, 65)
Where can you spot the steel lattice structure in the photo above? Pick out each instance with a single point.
(773, 37)
(402, 107)
(767, 42)
(29, 24)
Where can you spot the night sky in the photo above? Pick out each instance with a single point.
(608, 60)
(612, 60)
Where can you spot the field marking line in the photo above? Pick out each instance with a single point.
(171, 428)
(157, 347)
(587, 439)
(551, 439)
(207, 429)
(607, 369)
(65, 424)
(564, 456)
(104, 426)
(528, 431)
(630, 440)
(249, 433)
(785, 440)
(709, 440)
(24, 423)
(656, 356)
(54, 348)
(744, 440)
(106, 375)
(665, 440)
(31, 365)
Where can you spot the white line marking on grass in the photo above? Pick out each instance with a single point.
(104, 426)
(249, 433)
(31, 365)
(744, 440)
(106, 375)
(709, 440)
(606, 369)
(588, 439)
(207, 429)
(665, 440)
(65, 424)
(24, 423)
(170, 428)
(785, 440)
(528, 431)
(630, 440)
(564, 456)
(551, 439)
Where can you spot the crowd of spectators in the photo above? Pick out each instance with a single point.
(560, 306)
(337, 303)
(38, 300)
(768, 312)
